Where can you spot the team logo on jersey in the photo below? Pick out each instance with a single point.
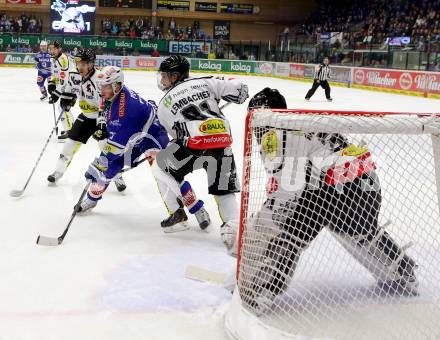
(354, 151)
(87, 108)
(212, 126)
(269, 144)
(168, 102)
(121, 110)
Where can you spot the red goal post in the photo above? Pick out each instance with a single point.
(398, 141)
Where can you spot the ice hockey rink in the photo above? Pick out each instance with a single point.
(117, 275)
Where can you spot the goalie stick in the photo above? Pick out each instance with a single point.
(19, 193)
(204, 275)
(56, 241)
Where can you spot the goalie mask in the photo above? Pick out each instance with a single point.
(269, 98)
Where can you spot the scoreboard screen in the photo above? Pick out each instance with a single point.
(72, 17)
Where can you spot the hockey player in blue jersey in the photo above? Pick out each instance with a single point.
(134, 132)
(43, 66)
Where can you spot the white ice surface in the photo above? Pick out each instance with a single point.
(117, 276)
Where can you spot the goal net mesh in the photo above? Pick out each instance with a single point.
(340, 227)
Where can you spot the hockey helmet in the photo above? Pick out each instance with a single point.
(43, 43)
(85, 54)
(57, 44)
(270, 98)
(175, 64)
(110, 75)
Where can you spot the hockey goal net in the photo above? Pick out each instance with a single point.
(340, 227)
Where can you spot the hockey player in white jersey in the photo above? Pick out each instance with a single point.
(201, 136)
(58, 87)
(318, 180)
(90, 122)
(134, 133)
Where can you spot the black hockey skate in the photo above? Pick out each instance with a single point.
(203, 218)
(120, 184)
(405, 283)
(175, 222)
(43, 97)
(54, 177)
(86, 205)
(63, 136)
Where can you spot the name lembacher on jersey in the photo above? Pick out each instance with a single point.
(189, 99)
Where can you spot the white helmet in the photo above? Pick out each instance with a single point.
(43, 43)
(110, 75)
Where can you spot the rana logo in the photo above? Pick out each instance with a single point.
(269, 143)
(406, 81)
(168, 102)
(359, 76)
(266, 68)
(213, 126)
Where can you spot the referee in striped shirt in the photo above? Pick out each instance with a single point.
(322, 74)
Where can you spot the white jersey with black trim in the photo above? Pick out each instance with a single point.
(61, 67)
(86, 91)
(190, 112)
(295, 160)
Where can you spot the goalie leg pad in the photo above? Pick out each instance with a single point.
(382, 257)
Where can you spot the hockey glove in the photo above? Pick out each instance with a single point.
(243, 94)
(101, 129)
(96, 169)
(53, 99)
(67, 103)
(51, 88)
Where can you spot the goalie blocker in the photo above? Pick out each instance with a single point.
(341, 191)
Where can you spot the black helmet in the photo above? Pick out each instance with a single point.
(269, 98)
(85, 54)
(57, 44)
(175, 64)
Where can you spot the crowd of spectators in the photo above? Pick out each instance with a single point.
(143, 28)
(20, 24)
(372, 22)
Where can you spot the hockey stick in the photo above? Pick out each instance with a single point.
(55, 119)
(55, 241)
(19, 193)
(225, 105)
